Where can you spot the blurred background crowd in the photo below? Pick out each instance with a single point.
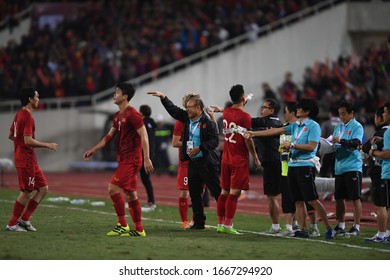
(110, 41)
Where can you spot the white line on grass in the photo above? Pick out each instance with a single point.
(243, 231)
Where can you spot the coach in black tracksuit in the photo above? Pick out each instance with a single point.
(204, 160)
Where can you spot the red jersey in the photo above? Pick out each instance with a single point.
(22, 125)
(178, 131)
(128, 142)
(235, 151)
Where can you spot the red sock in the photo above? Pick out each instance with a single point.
(18, 210)
(221, 208)
(31, 207)
(119, 206)
(183, 208)
(231, 206)
(135, 212)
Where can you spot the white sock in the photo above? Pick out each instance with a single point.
(289, 227)
(387, 233)
(314, 226)
(275, 226)
(357, 227)
(295, 223)
(342, 225)
(380, 234)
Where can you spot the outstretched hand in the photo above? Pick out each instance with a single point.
(157, 94)
(53, 146)
(216, 108)
(88, 154)
(248, 134)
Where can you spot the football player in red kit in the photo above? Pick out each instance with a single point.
(31, 177)
(131, 139)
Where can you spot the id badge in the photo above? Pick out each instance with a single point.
(190, 145)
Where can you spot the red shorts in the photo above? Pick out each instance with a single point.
(234, 177)
(31, 178)
(126, 176)
(182, 178)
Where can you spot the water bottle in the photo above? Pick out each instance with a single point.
(364, 157)
(374, 147)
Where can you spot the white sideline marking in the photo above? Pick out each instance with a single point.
(245, 231)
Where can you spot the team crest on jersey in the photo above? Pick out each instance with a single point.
(348, 132)
(305, 129)
(123, 120)
(204, 125)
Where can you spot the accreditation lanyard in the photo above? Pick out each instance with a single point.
(298, 135)
(192, 129)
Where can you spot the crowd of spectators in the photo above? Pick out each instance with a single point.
(364, 81)
(113, 41)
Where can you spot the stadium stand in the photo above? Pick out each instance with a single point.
(111, 41)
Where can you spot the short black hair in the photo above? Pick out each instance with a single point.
(25, 94)
(273, 104)
(236, 93)
(145, 110)
(308, 104)
(127, 89)
(387, 105)
(347, 105)
(292, 107)
(379, 112)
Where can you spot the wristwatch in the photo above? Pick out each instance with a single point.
(292, 146)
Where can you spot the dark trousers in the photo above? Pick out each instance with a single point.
(200, 173)
(145, 178)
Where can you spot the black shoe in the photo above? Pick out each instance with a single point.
(301, 234)
(353, 231)
(339, 231)
(195, 226)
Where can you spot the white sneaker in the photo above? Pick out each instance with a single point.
(26, 225)
(15, 228)
(148, 208)
(273, 231)
(315, 233)
(287, 232)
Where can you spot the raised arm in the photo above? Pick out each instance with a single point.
(157, 94)
(264, 133)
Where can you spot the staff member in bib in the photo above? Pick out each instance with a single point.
(347, 138)
(385, 156)
(380, 191)
(301, 167)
